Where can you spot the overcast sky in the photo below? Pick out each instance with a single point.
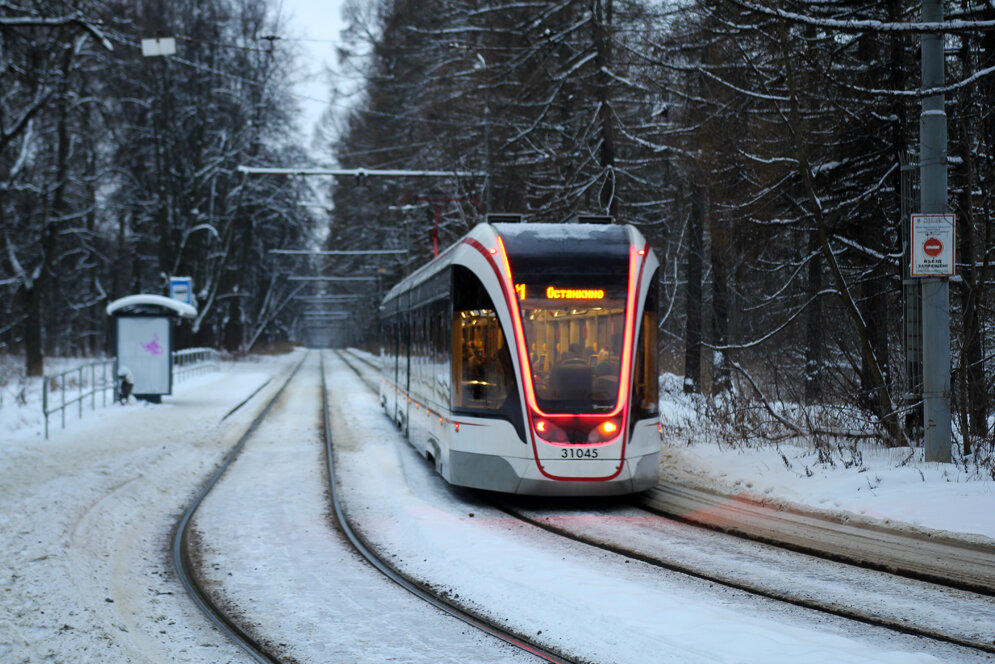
(319, 22)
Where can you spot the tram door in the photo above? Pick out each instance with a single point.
(390, 331)
(404, 364)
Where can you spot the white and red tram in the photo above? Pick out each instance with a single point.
(524, 359)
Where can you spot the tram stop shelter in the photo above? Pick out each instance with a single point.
(143, 342)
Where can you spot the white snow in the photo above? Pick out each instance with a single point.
(592, 605)
(547, 231)
(87, 519)
(928, 495)
(180, 308)
(892, 486)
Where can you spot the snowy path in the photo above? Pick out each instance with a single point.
(87, 517)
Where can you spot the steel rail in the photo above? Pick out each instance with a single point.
(396, 576)
(182, 560)
(360, 358)
(953, 563)
(799, 600)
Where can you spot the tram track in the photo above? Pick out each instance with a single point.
(848, 608)
(185, 560)
(182, 551)
(924, 556)
(412, 585)
(948, 574)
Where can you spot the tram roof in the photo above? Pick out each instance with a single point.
(541, 234)
(564, 232)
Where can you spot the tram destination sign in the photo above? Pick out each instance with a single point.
(557, 293)
(933, 238)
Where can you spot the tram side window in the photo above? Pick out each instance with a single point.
(482, 371)
(646, 386)
(441, 383)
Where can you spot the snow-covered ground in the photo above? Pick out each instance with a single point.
(584, 602)
(891, 486)
(87, 518)
(888, 485)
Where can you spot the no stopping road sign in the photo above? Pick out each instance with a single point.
(932, 245)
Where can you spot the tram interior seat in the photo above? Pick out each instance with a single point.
(572, 380)
(606, 380)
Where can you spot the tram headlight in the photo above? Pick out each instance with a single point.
(550, 432)
(605, 431)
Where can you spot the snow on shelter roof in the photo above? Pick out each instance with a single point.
(180, 308)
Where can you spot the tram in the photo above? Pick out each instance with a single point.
(523, 359)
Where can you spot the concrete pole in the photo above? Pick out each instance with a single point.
(935, 290)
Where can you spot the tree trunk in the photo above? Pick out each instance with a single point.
(721, 368)
(813, 325)
(875, 316)
(36, 292)
(876, 377)
(603, 11)
(34, 356)
(973, 400)
(692, 348)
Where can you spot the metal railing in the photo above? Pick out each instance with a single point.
(194, 361)
(101, 379)
(73, 386)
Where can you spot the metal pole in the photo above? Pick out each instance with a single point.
(935, 290)
(358, 252)
(358, 172)
(44, 402)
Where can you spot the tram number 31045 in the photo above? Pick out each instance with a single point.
(572, 453)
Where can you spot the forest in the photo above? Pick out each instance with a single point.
(118, 171)
(768, 149)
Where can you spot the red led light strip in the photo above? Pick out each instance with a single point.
(431, 413)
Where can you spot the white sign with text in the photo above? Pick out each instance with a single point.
(933, 237)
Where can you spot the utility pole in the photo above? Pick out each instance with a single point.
(933, 200)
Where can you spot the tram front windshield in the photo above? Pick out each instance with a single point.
(574, 336)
